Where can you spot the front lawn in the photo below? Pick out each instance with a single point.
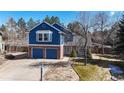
(97, 67)
(91, 72)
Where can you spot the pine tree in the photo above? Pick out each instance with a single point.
(30, 24)
(51, 20)
(119, 44)
(22, 27)
(3, 28)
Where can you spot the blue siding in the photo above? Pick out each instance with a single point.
(51, 53)
(37, 53)
(44, 26)
(68, 36)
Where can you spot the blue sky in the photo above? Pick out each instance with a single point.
(65, 16)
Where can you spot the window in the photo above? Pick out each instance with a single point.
(40, 37)
(44, 36)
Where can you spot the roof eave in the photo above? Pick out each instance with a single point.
(62, 33)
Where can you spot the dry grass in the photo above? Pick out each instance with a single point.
(97, 68)
(91, 72)
(87, 73)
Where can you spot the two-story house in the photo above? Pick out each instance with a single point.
(46, 41)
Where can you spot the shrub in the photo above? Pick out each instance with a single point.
(73, 54)
(89, 54)
(9, 56)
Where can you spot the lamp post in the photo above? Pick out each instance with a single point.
(41, 69)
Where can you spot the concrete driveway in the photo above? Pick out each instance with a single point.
(19, 70)
(30, 70)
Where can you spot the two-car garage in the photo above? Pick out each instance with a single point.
(47, 53)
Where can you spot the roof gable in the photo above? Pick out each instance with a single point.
(46, 24)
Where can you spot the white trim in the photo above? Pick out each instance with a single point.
(43, 32)
(44, 45)
(61, 33)
(47, 24)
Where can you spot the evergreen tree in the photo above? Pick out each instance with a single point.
(30, 24)
(73, 53)
(3, 28)
(51, 20)
(21, 27)
(37, 22)
(47, 19)
(119, 44)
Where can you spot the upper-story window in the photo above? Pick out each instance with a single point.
(44, 36)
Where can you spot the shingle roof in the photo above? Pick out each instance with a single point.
(47, 24)
(61, 27)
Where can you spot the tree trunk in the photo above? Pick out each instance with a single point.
(85, 50)
(102, 47)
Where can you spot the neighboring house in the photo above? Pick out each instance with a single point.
(46, 41)
(97, 48)
(77, 44)
(1, 43)
(108, 42)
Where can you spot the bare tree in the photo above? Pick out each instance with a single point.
(12, 29)
(85, 23)
(81, 28)
(107, 25)
(101, 23)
